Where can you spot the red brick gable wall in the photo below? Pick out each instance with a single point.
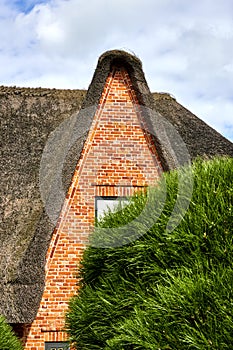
(118, 158)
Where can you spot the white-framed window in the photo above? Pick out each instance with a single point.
(104, 203)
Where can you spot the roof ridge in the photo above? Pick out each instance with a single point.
(36, 91)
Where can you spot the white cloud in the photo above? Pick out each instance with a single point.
(186, 47)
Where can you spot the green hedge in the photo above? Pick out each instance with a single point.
(8, 340)
(165, 290)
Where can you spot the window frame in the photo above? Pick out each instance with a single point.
(116, 199)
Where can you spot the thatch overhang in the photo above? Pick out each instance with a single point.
(28, 119)
(179, 135)
(199, 138)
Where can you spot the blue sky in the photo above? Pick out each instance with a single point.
(25, 5)
(186, 47)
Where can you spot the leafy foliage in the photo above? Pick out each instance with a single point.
(165, 290)
(8, 339)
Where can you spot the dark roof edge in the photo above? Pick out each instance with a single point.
(133, 65)
(102, 71)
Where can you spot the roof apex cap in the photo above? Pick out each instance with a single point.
(120, 56)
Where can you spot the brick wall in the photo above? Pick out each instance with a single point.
(118, 158)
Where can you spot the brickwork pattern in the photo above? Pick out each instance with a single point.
(118, 159)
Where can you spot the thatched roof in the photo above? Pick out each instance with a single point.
(28, 117)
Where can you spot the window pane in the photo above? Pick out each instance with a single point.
(103, 204)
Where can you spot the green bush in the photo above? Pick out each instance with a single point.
(165, 290)
(8, 340)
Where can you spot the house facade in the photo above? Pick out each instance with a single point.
(123, 139)
(118, 158)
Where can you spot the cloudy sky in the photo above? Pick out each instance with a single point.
(186, 47)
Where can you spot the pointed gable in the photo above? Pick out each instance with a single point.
(118, 158)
